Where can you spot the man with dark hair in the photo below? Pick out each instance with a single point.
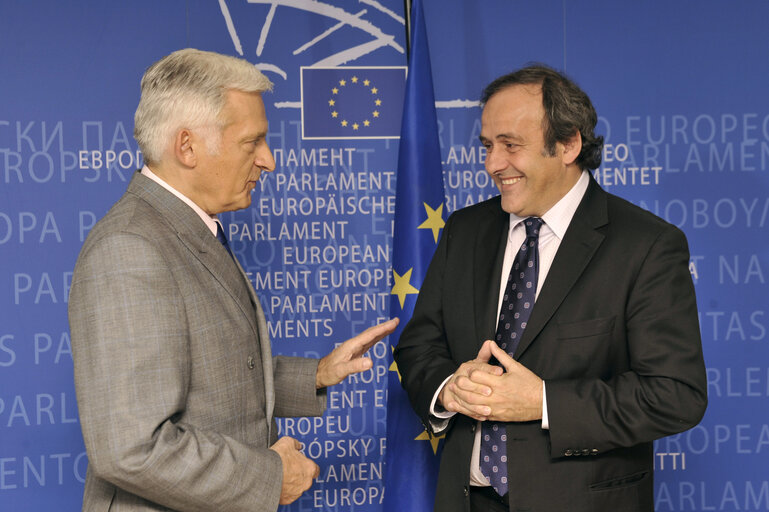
(555, 336)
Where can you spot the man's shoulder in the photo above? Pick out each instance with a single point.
(131, 216)
(130, 213)
(620, 208)
(637, 223)
(491, 208)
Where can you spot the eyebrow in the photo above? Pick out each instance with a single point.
(503, 136)
(254, 136)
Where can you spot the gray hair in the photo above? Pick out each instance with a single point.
(187, 89)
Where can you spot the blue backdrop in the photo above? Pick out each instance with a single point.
(680, 87)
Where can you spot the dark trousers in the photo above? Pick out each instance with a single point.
(485, 499)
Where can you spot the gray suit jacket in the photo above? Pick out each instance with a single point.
(176, 385)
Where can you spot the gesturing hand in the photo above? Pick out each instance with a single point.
(298, 470)
(347, 358)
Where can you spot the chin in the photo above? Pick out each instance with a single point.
(510, 207)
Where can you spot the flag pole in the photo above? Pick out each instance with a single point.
(407, 10)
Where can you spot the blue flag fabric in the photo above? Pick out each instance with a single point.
(411, 460)
(352, 102)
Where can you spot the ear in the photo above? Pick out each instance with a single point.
(572, 148)
(185, 149)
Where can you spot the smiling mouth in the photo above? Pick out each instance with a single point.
(510, 181)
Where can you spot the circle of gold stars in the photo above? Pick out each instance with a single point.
(354, 81)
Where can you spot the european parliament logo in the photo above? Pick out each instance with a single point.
(352, 102)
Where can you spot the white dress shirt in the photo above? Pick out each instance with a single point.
(210, 220)
(556, 221)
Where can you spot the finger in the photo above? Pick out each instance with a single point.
(381, 330)
(503, 357)
(360, 364)
(362, 342)
(470, 366)
(471, 399)
(296, 444)
(316, 472)
(487, 379)
(468, 403)
(468, 385)
(486, 368)
(478, 412)
(484, 355)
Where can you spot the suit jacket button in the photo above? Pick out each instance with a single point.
(466, 491)
(251, 362)
(594, 451)
(472, 428)
(568, 453)
(585, 451)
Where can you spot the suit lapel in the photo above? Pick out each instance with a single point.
(266, 353)
(577, 248)
(489, 254)
(223, 268)
(196, 237)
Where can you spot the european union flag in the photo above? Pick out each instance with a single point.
(352, 102)
(411, 460)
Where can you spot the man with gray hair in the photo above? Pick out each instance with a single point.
(176, 384)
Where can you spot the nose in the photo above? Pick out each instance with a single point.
(264, 159)
(495, 161)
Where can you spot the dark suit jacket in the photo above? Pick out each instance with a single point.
(614, 333)
(176, 385)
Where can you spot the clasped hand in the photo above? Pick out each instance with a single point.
(486, 392)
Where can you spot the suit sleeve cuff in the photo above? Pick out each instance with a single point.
(439, 417)
(545, 422)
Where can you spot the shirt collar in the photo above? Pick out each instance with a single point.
(558, 218)
(210, 220)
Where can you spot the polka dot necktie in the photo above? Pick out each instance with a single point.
(517, 304)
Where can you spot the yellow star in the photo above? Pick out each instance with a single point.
(434, 220)
(374, 90)
(402, 286)
(342, 83)
(334, 113)
(344, 123)
(375, 113)
(335, 90)
(378, 102)
(394, 366)
(331, 102)
(366, 122)
(355, 126)
(354, 80)
(434, 440)
(366, 82)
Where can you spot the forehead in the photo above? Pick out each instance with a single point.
(516, 107)
(244, 111)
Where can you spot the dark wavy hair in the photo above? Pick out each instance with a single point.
(567, 110)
